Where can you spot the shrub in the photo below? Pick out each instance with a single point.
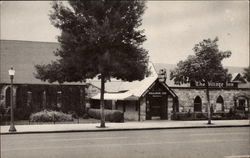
(85, 116)
(50, 116)
(110, 115)
(190, 116)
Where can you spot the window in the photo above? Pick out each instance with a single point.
(219, 104)
(197, 104)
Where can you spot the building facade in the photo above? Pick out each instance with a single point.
(151, 98)
(31, 94)
(166, 100)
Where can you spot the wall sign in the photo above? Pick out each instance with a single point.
(157, 93)
(213, 84)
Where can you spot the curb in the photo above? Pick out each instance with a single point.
(122, 129)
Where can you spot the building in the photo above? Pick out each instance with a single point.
(166, 100)
(139, 100)
(151, 98)
(31, 94)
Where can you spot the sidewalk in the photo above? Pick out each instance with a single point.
(146, 125)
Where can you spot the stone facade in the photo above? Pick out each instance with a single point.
(186, 97)
(143, 109)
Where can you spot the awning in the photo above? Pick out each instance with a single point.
(116, 96)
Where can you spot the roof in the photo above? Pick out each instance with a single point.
(238, 78)
(23, 56)
(133, 90)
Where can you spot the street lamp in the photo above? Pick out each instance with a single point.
(11, 74)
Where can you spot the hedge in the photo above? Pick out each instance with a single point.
(239, 115)
(110, 115)
(50, 116)
(190, 116)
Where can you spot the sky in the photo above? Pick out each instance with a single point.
(172, 28)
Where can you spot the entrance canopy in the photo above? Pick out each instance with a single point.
(139, 87)
(117, 96)
(134, 90)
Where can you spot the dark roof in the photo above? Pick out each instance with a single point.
(23, 55)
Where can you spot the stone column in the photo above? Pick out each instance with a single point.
(44, 101)
(143, 109)
(59, 100)
(113, 104)
(170, 107)
(29, 99)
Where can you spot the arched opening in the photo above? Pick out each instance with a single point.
(219, 104)
(197, 104)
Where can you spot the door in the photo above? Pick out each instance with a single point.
(155, 106)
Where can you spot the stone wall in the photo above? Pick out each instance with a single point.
(186, 97)
(131, 114)
(143, 109)
(129, 110)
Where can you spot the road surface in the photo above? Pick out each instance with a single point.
(171, 143)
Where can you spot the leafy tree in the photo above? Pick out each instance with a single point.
(247, 73)
(205, 67)
(98, 38)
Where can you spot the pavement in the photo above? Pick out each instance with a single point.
(144, 125)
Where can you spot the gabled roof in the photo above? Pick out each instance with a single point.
(23, 56)
(238, 78)
(133, 89)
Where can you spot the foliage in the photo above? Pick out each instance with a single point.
(190, 116)
(247, 73)
(50, 116)
(98, 37)
(204, 66)
(110, 115)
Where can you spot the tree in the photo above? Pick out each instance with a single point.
(247, 73)
(205, 67)
(98, 38)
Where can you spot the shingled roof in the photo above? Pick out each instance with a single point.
(23, 55)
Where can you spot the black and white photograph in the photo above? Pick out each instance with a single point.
(124, 79)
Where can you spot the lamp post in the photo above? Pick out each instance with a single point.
(11, 74)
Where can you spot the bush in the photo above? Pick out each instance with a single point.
(85, 116)
(190, 116)
(110, 115)
(50, 116)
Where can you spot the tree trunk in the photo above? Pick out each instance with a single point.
(102, 102)
(208, 103)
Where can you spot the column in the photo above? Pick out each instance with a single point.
(113, 104)
(59, 100)
(29, 99)
(44, 101)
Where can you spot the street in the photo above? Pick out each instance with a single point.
(171, 143)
